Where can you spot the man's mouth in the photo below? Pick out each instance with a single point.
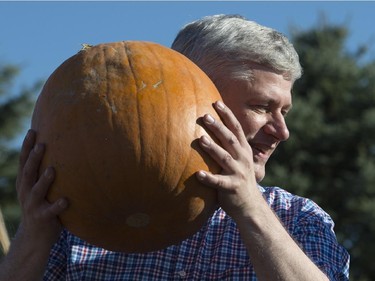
(262, 151)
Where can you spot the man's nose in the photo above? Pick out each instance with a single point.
(277, 127)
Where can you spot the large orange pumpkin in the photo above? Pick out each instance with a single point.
(119, 121)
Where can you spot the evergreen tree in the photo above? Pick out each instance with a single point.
(330, 156)
(14, 111)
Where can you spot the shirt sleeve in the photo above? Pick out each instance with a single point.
(314, 232)
(57, 262)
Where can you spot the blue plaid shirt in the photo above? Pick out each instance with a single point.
(214, 253)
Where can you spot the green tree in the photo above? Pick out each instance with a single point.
(15, 108)
(330, 156)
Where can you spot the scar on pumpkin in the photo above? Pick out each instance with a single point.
(157, 84)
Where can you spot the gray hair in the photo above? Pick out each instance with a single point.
(223, 44)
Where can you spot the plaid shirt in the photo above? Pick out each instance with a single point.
(214, 253)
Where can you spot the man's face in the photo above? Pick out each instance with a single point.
(260, 106)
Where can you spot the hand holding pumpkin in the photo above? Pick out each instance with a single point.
(40, 227)
(39, 218)
(236, 182)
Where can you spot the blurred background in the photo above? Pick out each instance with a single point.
(330, 156)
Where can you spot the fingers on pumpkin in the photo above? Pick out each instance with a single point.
(40, 189)
(57, 207)
(231, 122)
(29, 174)
(216, 181)
(27, 146)
(229, 142)
(220, 155)
(30, 170)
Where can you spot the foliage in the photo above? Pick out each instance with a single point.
(14, 110)
(330, 156)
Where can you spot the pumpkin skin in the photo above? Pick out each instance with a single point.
(120, 122)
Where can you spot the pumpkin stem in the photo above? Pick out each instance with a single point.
(85, 46)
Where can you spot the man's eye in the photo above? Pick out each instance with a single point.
(286, 111)
(261, 108)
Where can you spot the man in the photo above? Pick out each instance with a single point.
(257, 234)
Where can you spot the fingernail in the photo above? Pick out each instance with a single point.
(38, 148)
(201, 175)
(63, 203)
(205, 140)
(209, 119)
(220, 104)
(48, 173)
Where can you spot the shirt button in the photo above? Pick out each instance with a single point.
(182, 273)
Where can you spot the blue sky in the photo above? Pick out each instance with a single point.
(39, 36)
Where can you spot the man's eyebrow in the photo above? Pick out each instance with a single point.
(272, 100)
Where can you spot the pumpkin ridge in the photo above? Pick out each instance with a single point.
(138, 150)
(111, 111)
(167, 108)
(187, 159)
(99, 186)
(107, 96)
(142, 152)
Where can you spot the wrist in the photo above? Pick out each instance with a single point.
(251, 210)
(30, 243)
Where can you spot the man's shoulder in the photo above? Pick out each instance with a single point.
(275, 195)
(285, 203)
